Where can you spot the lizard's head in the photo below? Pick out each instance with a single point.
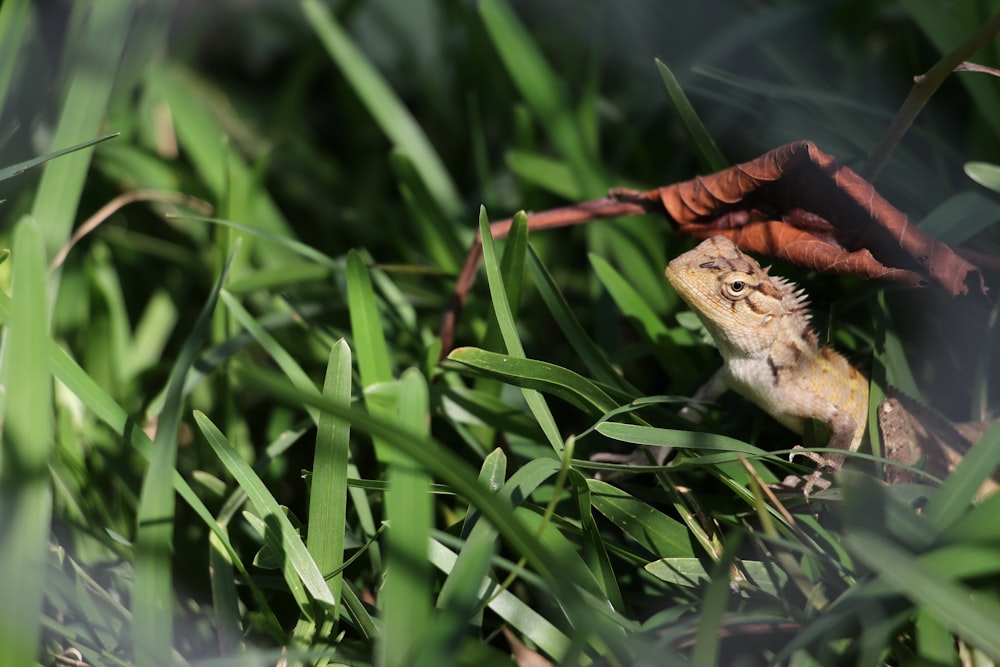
(738, 302)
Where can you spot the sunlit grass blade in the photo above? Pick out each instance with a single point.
(508, 330)
(537, 376)
(328, 489)
(85, 103)
(709, 155)
(384, 106)
(406, 594)
(647, 435)
(153, 598)
(512, 270)
(25, 493)
(370, 345)
(279, 533)
(984, 173)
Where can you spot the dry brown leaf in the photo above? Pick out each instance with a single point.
(799, 204)
(795, 203)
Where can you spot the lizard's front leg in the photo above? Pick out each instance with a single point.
(843, 430)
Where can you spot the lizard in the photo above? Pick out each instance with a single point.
(772, 357)
(771, 354)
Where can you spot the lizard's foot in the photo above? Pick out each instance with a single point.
(815, 480)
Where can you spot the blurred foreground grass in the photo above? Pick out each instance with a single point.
(227, 435)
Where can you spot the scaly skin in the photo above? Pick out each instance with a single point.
(771, 355)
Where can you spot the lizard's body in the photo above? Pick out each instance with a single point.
(771, 355)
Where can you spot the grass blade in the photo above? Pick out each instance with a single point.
(508, 330)
(153, 597)
(21, 167)
(370, 345)
(328, 491)
(406, 596)
(537, 376)
(25, 493)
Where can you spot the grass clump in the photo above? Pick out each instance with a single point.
(229, 436)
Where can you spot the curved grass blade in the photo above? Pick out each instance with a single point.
(984, 173)
(536, 375)
(384, 106)
(662, 437)
(709, 155)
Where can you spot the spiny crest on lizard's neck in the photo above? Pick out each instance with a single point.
(743, 307)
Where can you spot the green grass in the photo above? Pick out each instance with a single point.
(228, 435)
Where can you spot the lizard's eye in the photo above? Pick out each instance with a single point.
(735, 287)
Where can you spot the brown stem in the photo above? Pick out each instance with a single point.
(924, 87)
(618, 204)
